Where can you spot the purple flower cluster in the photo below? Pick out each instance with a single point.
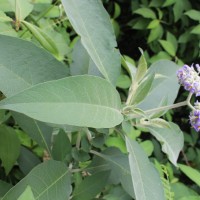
(190, 79)
(195, 117)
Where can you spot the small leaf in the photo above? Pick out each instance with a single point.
(171, 140)
(168, 46)
(42, 38)
(50, 180)
(27, 194)
(61, 146)
(196, 30)
(158, 122)
(9, 147)
(193, 14)
(143, 90)
(191, 173)
(4, 17)
(155, 33)
(146, 12)
(123, 81)
(153, 24)
(146, 181)
(141, 69)
(172, 39)
(91, 186)
(79, 101)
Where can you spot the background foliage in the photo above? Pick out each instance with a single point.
(45, 55)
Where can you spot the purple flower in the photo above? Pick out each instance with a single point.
(190, 79)
(195, 119)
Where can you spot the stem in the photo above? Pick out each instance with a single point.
(188, 101)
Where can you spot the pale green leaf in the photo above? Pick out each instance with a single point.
(193, 14)
(191, 173)
(168, 47)
(153, 24)
(27, 194)
(7, 29)
(190, 198)
(48, 181)
(18, 68)
(146, 181)
(196, 30)
(79, 100)
(91, 186)
(99, 40)
(9, 147)
(123, 81)
(141, 69)
(4, 17)
(171, 139)
(22, 8)
(164, 86)
(46, 41)
(143, 90)
(146, 12)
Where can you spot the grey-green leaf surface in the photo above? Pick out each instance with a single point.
(9, 147)
(48, 181)
(4, 187)
(113, 159)
(24, 65)
(79, 100)
(146, 181)
(27, 194)
(165, 85)
(91, 186)
(191, 173)
(99, 40)
(171, 139)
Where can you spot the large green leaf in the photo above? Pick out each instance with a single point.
(165, 85)
(27, 194)
(79, 100)
(22, 65)
(92, 23)
(146, 181)
(191, 173)
(4, 187)
(171, 138)
(91, 186)
(9, 147)
(48, 181)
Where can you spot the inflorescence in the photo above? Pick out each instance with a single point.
(190, 80)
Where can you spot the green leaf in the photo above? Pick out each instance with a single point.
(7, 29)
(49, 181)
(27, 194)
(146, 12)
(91, 186)
(4, 17)
(162, 55)
(143, 90)
(165, 85)
(117, 11)
(113, 159)
(79, 100)
(153, 24)
(172, 39)
(123, 81)
(38, 131)
(193, 14)
(155, 33)
(196, 30)
(22, 8)
(171, 139)
(61, 146)
(191, 173)
(168, 46)
(43, 38)
(18, 70)
(27, 160)
(148, 147)
(190, 198)
(168, 3)
(9, 147)
(141, 69)
(4, 188)
(99, 40)
(146, 181)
